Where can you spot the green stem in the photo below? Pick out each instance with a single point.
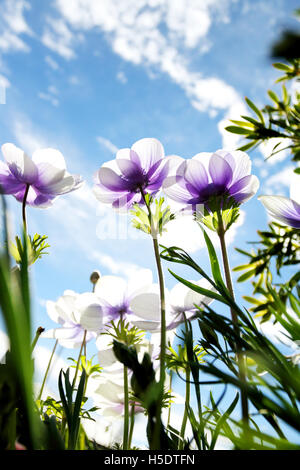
(47, 370)
(24, 208)
(162, 374)
(78, 360)
(126, 410)
(240, 359)
(154, 235)
(170, 402)
(38, 333)
(186, 406)
(132, 416)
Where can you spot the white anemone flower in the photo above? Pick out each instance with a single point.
(76, 313)
(181, 303)
(39, 180)
(134, 300)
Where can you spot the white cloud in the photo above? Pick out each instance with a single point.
(275, 144)
(12, 25)
(121, 77)
(27, 138)
(153, 33)
(74, 80)
(279, 182)
(186, 234)
(59, 38)
(107, 144)
(51, 62)
(48, 97)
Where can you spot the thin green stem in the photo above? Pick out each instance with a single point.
(24, 208)
(170, 401)
(186, 406)
(38, 333)
(78, 360)
(47, 370)
(154, 235)
(239, 354)
(126, 410)
(132, 416)
(163, 341)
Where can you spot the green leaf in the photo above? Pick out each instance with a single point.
(255, 109)
(200, 290)
(238, 130)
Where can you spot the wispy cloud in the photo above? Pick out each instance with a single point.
(51, 62)
(13, 25)
(157, 35)
(107, 144)
(59, 38)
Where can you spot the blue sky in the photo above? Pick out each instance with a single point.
(88, 77)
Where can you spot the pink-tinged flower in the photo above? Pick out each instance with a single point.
(120, 182)
(283, 209)
(45, 175)
(216, 177)
(76, 313)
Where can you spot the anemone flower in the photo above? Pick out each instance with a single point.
(141, 169)
(181, 302)
(282, 208)
(184, 301)
(117, 297)
(77, 314)
(37, 181)
(212, 177)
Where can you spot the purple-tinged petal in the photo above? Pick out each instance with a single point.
(135, 158)
(130, 170)
(127, 200)
(157, 178)
(20, 165)
(9, 184)
(196, 175)
(48, 174)
(240, 185)
(112, 181)
(249, 189)
(149, 151)
(220, 171)
(176, 191)
(240, 163)
(35, 198)
(67, 184)
(283, 209)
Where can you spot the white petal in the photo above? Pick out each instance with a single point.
(107, 358)
(19, 163)
(193, 298)
(66, 306)
(140, 281)
(65, 185)
(49, 174)
(151, 326)
(279, 207)
(52, 311)
(149, 151)
(146, 306)
(110, 391)
(112, 289)
(50, 156)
